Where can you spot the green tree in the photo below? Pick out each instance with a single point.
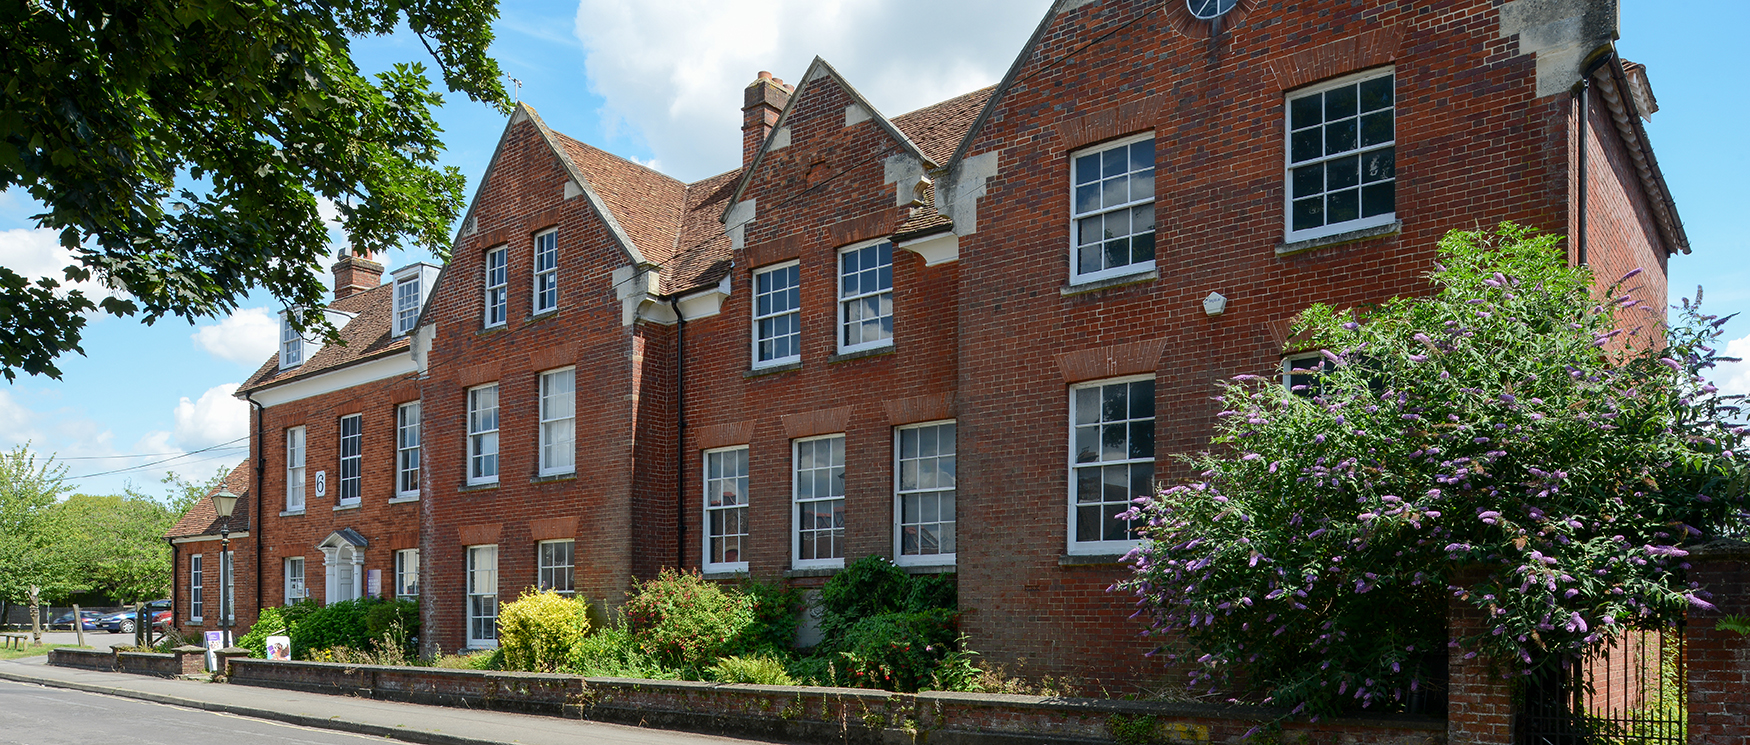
(1509, 441)
(180, 148)
(32, 570)
(180, 493)
(115, 544)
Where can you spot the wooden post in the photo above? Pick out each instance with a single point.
(140, 622)
(78, 625)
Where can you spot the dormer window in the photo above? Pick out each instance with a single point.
(291, 343)
(407, 295)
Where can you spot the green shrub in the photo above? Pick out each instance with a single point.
(612, 653)
(932, 592)
(776, 610)
(896, 651)
(268, 623)
(340, 624)
(684, 621)
(537, 631)
(758, 669)
(869, 586)
(478, 661)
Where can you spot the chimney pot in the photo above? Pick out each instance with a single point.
(354, 274)
(762, 103)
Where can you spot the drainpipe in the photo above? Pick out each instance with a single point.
(680, 431)
(260, 519)
(1585, 116)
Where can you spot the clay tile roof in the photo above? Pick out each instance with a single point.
(703, 254)
(647, 204)
(366, 336)
(937, 129)
(203, 519)
(923, 220)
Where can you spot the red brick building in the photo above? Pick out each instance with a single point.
(963, 337)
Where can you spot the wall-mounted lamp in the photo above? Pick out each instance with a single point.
(1214, 304)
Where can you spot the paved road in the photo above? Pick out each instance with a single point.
(33, 715)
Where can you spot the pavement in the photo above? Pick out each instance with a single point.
(93, 639)
(429, 725)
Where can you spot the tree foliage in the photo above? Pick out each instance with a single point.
(1508, 441)
(180, 148)
(29, 531)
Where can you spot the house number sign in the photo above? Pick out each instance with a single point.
(321, 483)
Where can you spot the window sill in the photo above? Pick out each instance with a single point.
(930, 568)
(292, 513)
(344, 507)
(549, 478)
(816, 572)
(1093, 560)
(492, 329)
(726, 574)
(403, 500)
(1109, 283)
(773, 370)
(546, 315)
(1353, 236)
(478, 487)
(194, 622)
(861, 353)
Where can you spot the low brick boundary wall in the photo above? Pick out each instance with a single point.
(821, 715)
(87, 659)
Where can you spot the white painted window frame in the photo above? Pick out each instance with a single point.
(546, 244)
(407, 302)
(294, 581)
(407, 450)
(296, 442)
(475, 556)
(1287, 370)
(1102, 547)
(407, 574)
(495, 284)
(543, 567)
(291, 343)
(842, 300)
(796, 562)
(197, 602)
(1288, 164)
(228, 585)
(560, 423)
(754, 309)
(706, 483)
(480, 437)
(1140, 267)
(937, 559)
(357, 460)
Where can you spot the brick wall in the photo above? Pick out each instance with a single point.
(1719, 660)
(243, 555)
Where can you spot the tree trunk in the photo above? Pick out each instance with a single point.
(36, 617)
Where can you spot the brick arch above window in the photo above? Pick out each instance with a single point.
(1341, 57)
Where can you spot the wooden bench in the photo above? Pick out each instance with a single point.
(13, 641)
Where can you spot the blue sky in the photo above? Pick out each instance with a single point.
(660, 81)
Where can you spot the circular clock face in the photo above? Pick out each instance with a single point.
(1209, 9)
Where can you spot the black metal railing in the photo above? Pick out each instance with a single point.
(1631, 691)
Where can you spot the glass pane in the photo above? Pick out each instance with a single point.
(1305, 112)
(1340, 137)
(1376, 93)
(1142, 155)
(1088, 523)
(1142, 184)
(1117, 252)
(1087, 198)
(1087, 444)
(945, 473)
(1088, 259)
(1142, 399)
(1114, 403)
(928, 509)
(1142, 248)
(1142, 218)
(1115, 483)
(908, 443)
(1114, 162)
(1378, 199)
(1112, 442)
(908, 474)
(1142, 439)
(927, 542)
(908, 541)
(1306, 144)
(1088, 168)
(1309, 213)
(1340, 102)
(1087, 484)
(1342, 206)
(1309, 180)
(1342, 173)
(1376, 128)
(1142, 477)
(1088, 230)
(1087, 405)
(1114, 529)
(1114, 191)
(1379, 165)
(926, 441)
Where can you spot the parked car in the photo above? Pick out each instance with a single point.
(122, 622)
(89, 619)
(161, 620)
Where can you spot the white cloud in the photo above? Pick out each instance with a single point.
(216, 418)
(674, 70)
(17, 423)
(1734, 377)
(246, 337)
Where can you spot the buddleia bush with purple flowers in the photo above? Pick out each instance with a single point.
(1511, 441)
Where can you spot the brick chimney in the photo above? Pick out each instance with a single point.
(764, 100)
(355, 274)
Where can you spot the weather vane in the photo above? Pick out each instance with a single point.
(518, 93)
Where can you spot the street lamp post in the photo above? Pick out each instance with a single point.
(224, 502)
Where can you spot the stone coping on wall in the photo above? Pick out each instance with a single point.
(817, 714)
